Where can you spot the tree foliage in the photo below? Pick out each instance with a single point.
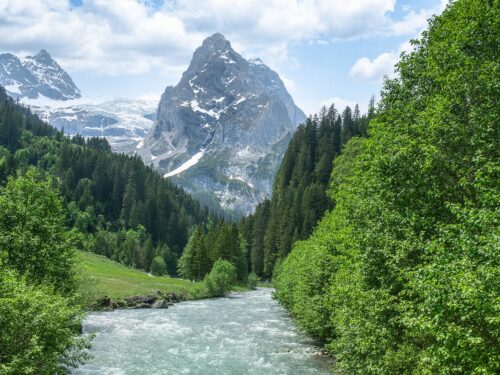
(39, 329)
(39, 322)
(221, 278)
(299, 197)
(207, 244)
(402, 277)
(33, 237)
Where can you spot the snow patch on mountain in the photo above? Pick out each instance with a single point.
(188, 164)
(123, 122)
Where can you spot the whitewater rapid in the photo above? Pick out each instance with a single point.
(246, 333)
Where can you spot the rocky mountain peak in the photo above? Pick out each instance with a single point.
(43, 57)
(222, 130)
(35, 76)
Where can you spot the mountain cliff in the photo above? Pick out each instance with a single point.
(222, 130)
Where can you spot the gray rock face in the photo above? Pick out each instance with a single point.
(222, 131)
(33, 76)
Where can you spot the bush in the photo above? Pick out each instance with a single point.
(221, 278)
(38, 329)
(158, 266)
(252, 280)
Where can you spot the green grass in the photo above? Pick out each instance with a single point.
(104, 277)
(101, 276)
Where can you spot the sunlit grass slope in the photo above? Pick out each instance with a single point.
(104, 277)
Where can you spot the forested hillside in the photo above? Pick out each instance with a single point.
(299, 197)
(402, 276)
(123, 209)
(57, 195)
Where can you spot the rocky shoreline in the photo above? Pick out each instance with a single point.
(159, 300)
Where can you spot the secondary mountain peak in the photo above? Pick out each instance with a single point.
(35, 76)
(43, 55)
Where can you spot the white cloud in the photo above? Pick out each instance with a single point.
(108, 36)
(383, 65)
(340, 103)
(134, 36)
(374, 70)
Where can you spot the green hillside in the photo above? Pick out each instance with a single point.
(101, 277)
(104, 277)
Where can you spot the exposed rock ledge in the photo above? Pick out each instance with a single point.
(152, 301)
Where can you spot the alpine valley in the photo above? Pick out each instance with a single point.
(349, 242)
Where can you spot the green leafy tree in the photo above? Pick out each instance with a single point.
(221, 278)
(252, 280)
(402, 277)
(185, 266)
(158, 266)
(40, 329)
(33, 237)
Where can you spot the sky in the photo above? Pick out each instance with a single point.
(324, 50)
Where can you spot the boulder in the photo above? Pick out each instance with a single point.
(138, 300)
(161, 304)
(142, 306)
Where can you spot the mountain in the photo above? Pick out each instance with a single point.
(221, 132)
(123, 122)
(36, 76)
(40, 83)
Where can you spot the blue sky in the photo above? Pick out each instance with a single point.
(324, 50)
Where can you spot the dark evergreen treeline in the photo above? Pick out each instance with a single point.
(124, 209)
(299, 197)
(403, 275)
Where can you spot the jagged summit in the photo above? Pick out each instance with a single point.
(43, 56)
(216, 41)
(222, 130)
(35, 76)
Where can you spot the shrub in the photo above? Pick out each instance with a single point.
(221, 278)
(158, 266)
(252, 280)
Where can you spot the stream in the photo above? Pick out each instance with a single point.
(245, 333)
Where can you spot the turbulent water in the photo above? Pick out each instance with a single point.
(247, 333)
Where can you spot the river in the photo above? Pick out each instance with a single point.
(246, 333)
